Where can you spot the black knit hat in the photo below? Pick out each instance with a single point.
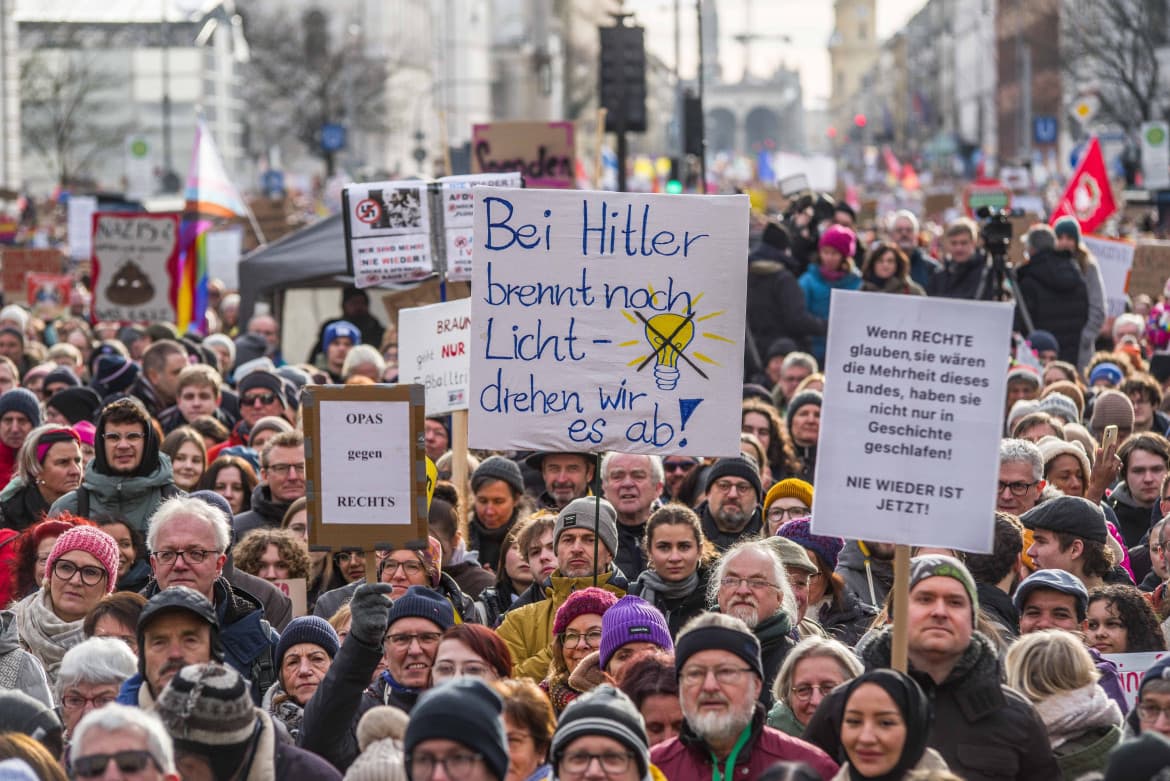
(76, 404)
(801, 399)
(607, 712)
(208, 705)
(113, 373)
(1143, 758)
(1070, 515)
(422, 602)
(261, 379)
(498, 468)
(737, 467)
(61, 375)
(21, 400)
(467, 711)
(740, 642)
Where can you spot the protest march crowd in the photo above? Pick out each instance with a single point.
(621, 616)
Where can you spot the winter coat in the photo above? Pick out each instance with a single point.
(972, 280)
(277, 607)
(266, 512)
(465, 610)
(982, 728)
(680, 610)
(20, 670)
(931, 760)
(895, 285)
(922, 267)
(846, 620)
(817, 293)
(171, 419)
(145, 392)
(1133, 520)
(723, 540)
(1095, 286)
(776, 306)
(527, 627)
(493, 602)
(775, 636)
(136, 578)
(1051, 286)
(630, 558)
(7, 464)
(133, 499)
(998, 606)
(688, 757)
(782, 718)
(21, 506)
(853, 565)
(1087, 753)
(488, 542)
(471, 578)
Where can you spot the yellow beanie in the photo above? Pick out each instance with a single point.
(794, 488)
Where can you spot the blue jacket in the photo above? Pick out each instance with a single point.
(817, 292)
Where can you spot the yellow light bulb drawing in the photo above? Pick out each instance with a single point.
(659, 329)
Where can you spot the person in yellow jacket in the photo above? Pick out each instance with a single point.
(585, 538)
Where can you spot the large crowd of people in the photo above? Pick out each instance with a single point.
(580, 616)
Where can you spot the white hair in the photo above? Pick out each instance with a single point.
(186, 507)
(1021, 451)
(787, 600)
(359, 355)
(905, 214)
(1128, 318)
(97, 660)
(118, 718)
(656, 469)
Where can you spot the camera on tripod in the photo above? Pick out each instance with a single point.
(997, 230)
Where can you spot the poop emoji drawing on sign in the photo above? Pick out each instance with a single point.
(130, 286)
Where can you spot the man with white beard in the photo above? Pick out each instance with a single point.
(720, 678)
(750, 584)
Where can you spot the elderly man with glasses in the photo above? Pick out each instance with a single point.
(134, 740)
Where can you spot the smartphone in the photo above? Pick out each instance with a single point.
(1109, 437)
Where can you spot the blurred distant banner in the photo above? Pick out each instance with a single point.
(1088, 197)
(542, 152)
(1115, 259)
(210, 195)
(405, 231)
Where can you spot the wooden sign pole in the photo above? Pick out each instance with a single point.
(901, 603)
(597, 163)
(459, 469)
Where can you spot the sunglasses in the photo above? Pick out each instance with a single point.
(95, 765)
(678, 466)
(263, 398)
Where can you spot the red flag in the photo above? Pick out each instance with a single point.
(1088, 197)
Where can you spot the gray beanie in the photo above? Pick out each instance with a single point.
(498, 468)
(583, 513)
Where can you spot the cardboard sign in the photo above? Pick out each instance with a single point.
(543, 152)
(47, 295)
(388, 232)
(79, 225)
(366, 463)
(1130, 669)
(434, 350)
(135, 266)
(297, 590)
(1150, 270)
(910, 427)
(1115, 259)
(607, 321)
(17, 264)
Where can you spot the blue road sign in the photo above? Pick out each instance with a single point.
(332, 137)
(1045, 129)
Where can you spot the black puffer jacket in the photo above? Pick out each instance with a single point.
(775, 304)
(963, 280)
(1057, 298)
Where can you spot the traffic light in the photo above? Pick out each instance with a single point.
(622, 78)
(692, 124)
(859, 120)
(674, 183)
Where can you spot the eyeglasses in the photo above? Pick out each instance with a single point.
(95, 765)
(344, 557)
(755, 584)
(284, 469)
(804, 692)
(77, 702)
(678, 466)
(263, 398)
(693, 676)
(791, 513)
(131, 437)
(612, 762)
(456, 766)
(450, 669)
(727, 486)
(90, 576)
(592, 639)
(1149, 712)
(408, 567)
(191, 556)
(404, 639)
(1018, 488)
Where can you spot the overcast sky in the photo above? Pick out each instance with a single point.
(808, 23)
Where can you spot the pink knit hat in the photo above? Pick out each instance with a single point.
(93, 541)
(839, 238)
(581, 603)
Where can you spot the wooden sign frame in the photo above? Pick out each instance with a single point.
(365, 536)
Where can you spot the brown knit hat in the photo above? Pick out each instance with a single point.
(1070, 389)
(1112, 408)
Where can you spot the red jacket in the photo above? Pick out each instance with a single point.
(687, 756)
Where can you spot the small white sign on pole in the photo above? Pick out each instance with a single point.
(910, 427)
(434, 350)
(81, 209)
(607, 321)
(1131, 668)
(366, 461)
(1156, 155)
(1114, 258)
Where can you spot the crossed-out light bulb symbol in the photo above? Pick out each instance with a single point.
(659, 329)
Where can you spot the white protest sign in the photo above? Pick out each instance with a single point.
(80, 225)
(434, 350)
(1115, 259)
(910, 428)
(458, 216)
(387, 226)
(607, 321)
(223, 256)
(135, 258)
(366, 458)
(1130, 669)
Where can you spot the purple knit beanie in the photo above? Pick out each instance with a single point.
(800, 532)
(632, 620)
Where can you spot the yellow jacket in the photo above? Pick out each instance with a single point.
(527, 628)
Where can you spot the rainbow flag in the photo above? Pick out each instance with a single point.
(210, 195)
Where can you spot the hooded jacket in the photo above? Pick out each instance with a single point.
(19, 669)
(775, 636)
(866, 577)
(266, 512)
(21, 505)
(1051, 286)
(688, 756)
(1133, 520)
(132, 497)
(527, 627)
